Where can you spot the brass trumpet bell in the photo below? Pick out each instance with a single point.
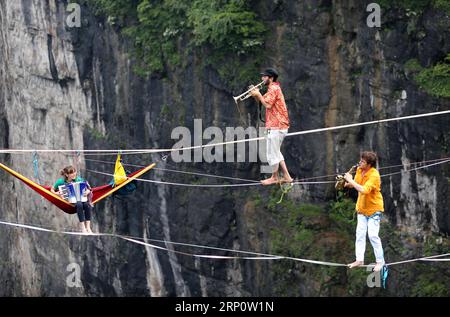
(247, 94)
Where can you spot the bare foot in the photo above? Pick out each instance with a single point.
(82, 227)
(378, 267)
(287, 180)
(355, 264)
(269, 181)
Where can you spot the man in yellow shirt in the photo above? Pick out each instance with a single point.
(369, 207)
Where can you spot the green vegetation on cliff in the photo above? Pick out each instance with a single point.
(435, 80)
(417, 6)
(323, 233)
(326, 233)
(165, 31)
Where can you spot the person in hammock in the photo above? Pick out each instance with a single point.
(84, 209)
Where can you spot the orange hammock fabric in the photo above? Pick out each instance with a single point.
(99, 193)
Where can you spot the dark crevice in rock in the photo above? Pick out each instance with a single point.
(69, 129)
(51, 58)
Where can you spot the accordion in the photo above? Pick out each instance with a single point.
(74, 192)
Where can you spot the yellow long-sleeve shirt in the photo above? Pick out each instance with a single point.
(371, 200)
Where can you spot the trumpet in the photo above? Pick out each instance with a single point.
(247, 94)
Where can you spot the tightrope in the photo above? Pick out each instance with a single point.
(257, 256)
(258, 183)
(178, 171)
(143, 151)
(438, 161)
(205, 185)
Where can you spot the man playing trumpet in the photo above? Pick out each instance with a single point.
(277, 124)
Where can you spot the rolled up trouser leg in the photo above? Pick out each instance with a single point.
(87, 211)
(274, 140)
(80, 212)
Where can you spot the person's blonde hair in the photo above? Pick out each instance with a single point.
(67, 170)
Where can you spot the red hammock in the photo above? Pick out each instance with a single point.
(99, 193)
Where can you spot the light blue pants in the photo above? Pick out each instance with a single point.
(371, 226)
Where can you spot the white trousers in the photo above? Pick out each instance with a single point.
(274, 140)
(371, 226)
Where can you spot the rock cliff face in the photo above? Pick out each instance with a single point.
(74, 88)
(42, 105)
